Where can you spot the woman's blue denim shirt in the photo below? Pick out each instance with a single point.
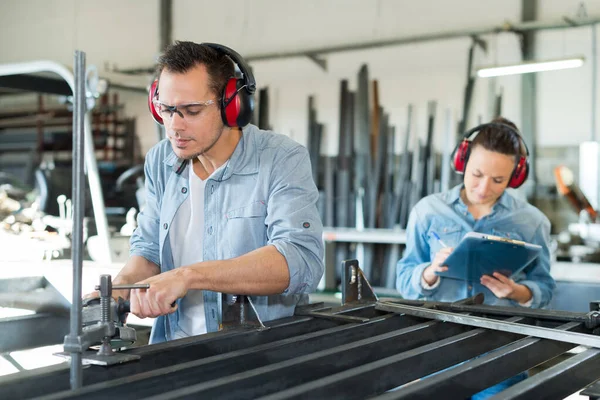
(264, 196)
(446, 214)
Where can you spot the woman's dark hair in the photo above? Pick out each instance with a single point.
(182, 56)
(501, 136)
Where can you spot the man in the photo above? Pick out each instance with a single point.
(228, 210)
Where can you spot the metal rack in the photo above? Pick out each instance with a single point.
(365, 348)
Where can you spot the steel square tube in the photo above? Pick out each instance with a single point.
(558, 381)
(218, 366)
(281, 376)
(53, 379)
(485, 371)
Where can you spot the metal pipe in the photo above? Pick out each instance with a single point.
(78, 196)
(480, 322)
(166, 23)
(594, 80)
(506, 27)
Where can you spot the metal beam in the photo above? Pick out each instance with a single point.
(55, 379)
(491, 368)
(480, 322)
(288, 374)
(220, 365)
(30, 331)
(578, 371)
(376, 377)
(526, 26)
(313, 52)
(166, 24)
(528, 95)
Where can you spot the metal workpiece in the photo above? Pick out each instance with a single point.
(504, 326)
(362, 349)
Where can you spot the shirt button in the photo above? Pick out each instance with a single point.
(165, 225)
(212, 189)
(210, 230)
(184, 190)
(470, 287)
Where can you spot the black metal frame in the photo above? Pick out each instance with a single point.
(352, 351)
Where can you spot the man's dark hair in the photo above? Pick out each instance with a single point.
(501, 138)
(182, 56)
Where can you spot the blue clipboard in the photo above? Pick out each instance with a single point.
(480, 254)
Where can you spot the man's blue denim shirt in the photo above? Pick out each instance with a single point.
(264, 196)
(446, 214)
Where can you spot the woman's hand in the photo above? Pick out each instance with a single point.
(437, 265)
(505, 288)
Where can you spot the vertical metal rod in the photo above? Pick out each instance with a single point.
(594, 80)
(78, 195)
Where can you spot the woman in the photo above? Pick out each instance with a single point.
(492, 157)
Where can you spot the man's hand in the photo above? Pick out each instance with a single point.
(436, 266)
(505, 288)
(164, 290)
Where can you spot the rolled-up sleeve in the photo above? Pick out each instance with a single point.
(293, 223)
(145, 239)
(416, 258)
(537, 274)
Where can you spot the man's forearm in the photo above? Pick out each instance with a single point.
(136, 269)
(261, 272)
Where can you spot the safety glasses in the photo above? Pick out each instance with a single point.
(189, 111)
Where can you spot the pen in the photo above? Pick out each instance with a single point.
(437, 237)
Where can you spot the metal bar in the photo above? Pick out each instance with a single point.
(395, 370)
(554, 315)
(491, 368)
(78, 196)
(507, 27)
(529, 111)
(30, 331)
(594, 84)
(235, 362)
(541, 332)
(50, 380)
(12, 361)
(559, 381)
(166, 23)
(280, 376)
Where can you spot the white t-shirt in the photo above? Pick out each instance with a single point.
(186, 238)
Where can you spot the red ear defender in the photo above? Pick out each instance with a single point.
(230, 103)
(520, 173)
(460, 156)
(152, 95)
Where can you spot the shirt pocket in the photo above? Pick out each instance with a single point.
(245, 229)
(449, 234)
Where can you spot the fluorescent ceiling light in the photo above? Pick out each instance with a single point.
(527, 67)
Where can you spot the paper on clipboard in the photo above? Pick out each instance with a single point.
(480, 254)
